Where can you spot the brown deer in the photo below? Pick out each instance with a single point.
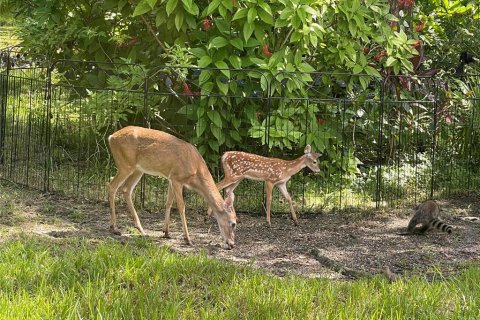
(137, 150)
(275, 172)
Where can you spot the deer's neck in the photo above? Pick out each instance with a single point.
(294, 166)
(206, 187)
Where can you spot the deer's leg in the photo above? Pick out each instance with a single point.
(170, 196)
(116, 182)
(127, 190)
(283, 190)
(268, 190)
(229, 193)
(177, 189)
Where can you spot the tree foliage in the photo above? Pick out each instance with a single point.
(284, 48)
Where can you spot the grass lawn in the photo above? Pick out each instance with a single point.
(49, 277)
(42, 278)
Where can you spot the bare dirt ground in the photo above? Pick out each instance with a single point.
(323, 245)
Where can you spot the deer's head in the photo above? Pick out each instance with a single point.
(311, 158)
(227, 221)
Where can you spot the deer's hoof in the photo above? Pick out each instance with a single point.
(166, 235)
(115, 231)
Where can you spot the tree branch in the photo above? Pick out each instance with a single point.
(150, 29)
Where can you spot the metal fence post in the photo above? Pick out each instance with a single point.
(434, 144)
(4, 78)
(267, 133)
(378, 192)
(48, 117)
(146, 124)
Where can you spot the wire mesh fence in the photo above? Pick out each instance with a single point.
(378, 147)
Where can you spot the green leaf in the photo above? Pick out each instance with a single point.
(223, 26)
(171, 5)
(187, 4)
(364, 82)
(362, 60)
(265, 7)
(191, 21)
(214, 145)
(286, 13)
(396, 68)
(200, 111)
(190, 7)
(222, 11)
(252, 14)
(160, 18)
(205, 75)
(313, 39)
(215, 117)
(242, 13)
(305, 67)
(218, 42)
(235, 61)
(224, 68)
(188, 110)
(198, 52)
(141, 8)
(298, 57)
(217, 132)
(266, 17)
(179, 20)
(390, 61)
(357, 69)
(257, 132)
(257, 61)
(252, 42)
(281, 23)
(407, 64)
(236, 123)
(237, 43)
(204, 62)
(235, 135)
(207, 89)
(222, 85)
(201, 126)
(372, 71)
(228, 4)
(212, 6)
(248, 30)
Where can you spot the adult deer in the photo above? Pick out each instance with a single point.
(137, 150)
(275, 172)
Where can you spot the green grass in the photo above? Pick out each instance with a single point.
(66, 279)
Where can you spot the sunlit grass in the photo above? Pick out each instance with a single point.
(72, 279)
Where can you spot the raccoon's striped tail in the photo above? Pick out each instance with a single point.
(437, 224)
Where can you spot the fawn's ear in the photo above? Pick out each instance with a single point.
(229, 200)
(308, 149)
(316, 155)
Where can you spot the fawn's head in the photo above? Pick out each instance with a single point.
(311, 158)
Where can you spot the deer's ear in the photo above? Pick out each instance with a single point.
(316, 155)
(229, 200)
(308, 149)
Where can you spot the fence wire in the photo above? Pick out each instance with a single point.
(378, 148)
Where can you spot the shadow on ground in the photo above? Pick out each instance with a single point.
(362, 242)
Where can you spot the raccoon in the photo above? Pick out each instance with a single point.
(426, 214)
